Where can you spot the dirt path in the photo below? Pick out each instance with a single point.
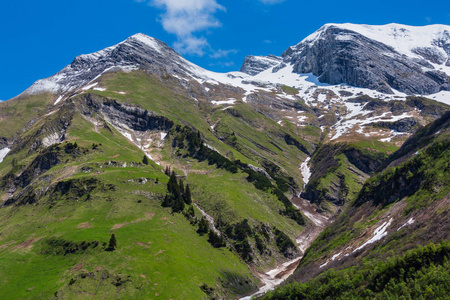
(277, 275)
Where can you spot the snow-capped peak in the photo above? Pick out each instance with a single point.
(404, 39)
(147, 40)
(134, 52)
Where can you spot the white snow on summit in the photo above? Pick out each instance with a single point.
(403, 38)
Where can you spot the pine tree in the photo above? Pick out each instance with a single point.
(167, 201)
(215, 240)
(191, 211)
(203, 226)
(187, 195)
(145, 160)
(181, 186)
(178, 204)
(112, 243)
(172, 185)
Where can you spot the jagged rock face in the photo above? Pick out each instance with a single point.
(340, 55)
(137, 52)
(254, 65)
(118, 114)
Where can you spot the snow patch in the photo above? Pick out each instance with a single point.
(229, 101)
(3, 153)
(58, 100)
(89, 86)
(101, 89)
(149, 41)
(409, 222)
(306, 171)
(51, 139)
(378, 234)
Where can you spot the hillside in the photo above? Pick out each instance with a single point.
(400, 210)
(216, 185)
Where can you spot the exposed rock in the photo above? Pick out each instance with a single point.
(431, 54)
(137, 52)
(3, 143)
(256, 64)
(403, 125)
(121, 115)
(259, 170)
(340, 55)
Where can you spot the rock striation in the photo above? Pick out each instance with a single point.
(337, 54)
(137, 52)
(254, 65)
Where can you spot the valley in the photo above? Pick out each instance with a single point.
(323, 161)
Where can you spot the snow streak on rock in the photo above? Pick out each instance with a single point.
(3, 153)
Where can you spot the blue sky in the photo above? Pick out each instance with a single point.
(39, 38)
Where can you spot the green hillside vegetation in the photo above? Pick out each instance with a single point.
(421, 273)
(415, 187)
(71, 197)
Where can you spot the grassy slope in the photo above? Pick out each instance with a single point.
(177, 269)
(160, 251)
(18, 112)
(413, 187)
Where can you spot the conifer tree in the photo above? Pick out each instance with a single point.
(191, 211)
(112, 243)
(167, 201)
(187, 195)
(178, 204)
(203, 226)
(172, 185)
(145, 160)
(181, 187)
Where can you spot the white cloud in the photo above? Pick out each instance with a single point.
(186, 17)
(271, 1)
(223, 53)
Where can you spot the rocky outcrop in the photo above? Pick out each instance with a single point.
(254, 65)
(332, 174)
(3, 143)
(404, 125)
(338, 55)
(121, 115)
(137, 52)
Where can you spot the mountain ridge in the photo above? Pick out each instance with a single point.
(113, 143)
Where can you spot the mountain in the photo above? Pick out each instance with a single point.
(412, 60)
(399, 209)
(272, 156)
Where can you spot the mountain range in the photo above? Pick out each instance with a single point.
(135, 173)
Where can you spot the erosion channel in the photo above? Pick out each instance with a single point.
(282, 271)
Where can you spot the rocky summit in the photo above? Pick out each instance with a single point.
(134, 173)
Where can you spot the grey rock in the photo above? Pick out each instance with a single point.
(254, 65)
(403, 125)
(359, 61)
(137, 52)
(431, 54)
(3, 143)
(122, 115)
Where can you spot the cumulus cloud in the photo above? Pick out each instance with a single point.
(186, 18)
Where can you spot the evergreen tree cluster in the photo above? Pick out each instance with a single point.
(178, 196)
(421, 273)
(192, 143)
(215, 239)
